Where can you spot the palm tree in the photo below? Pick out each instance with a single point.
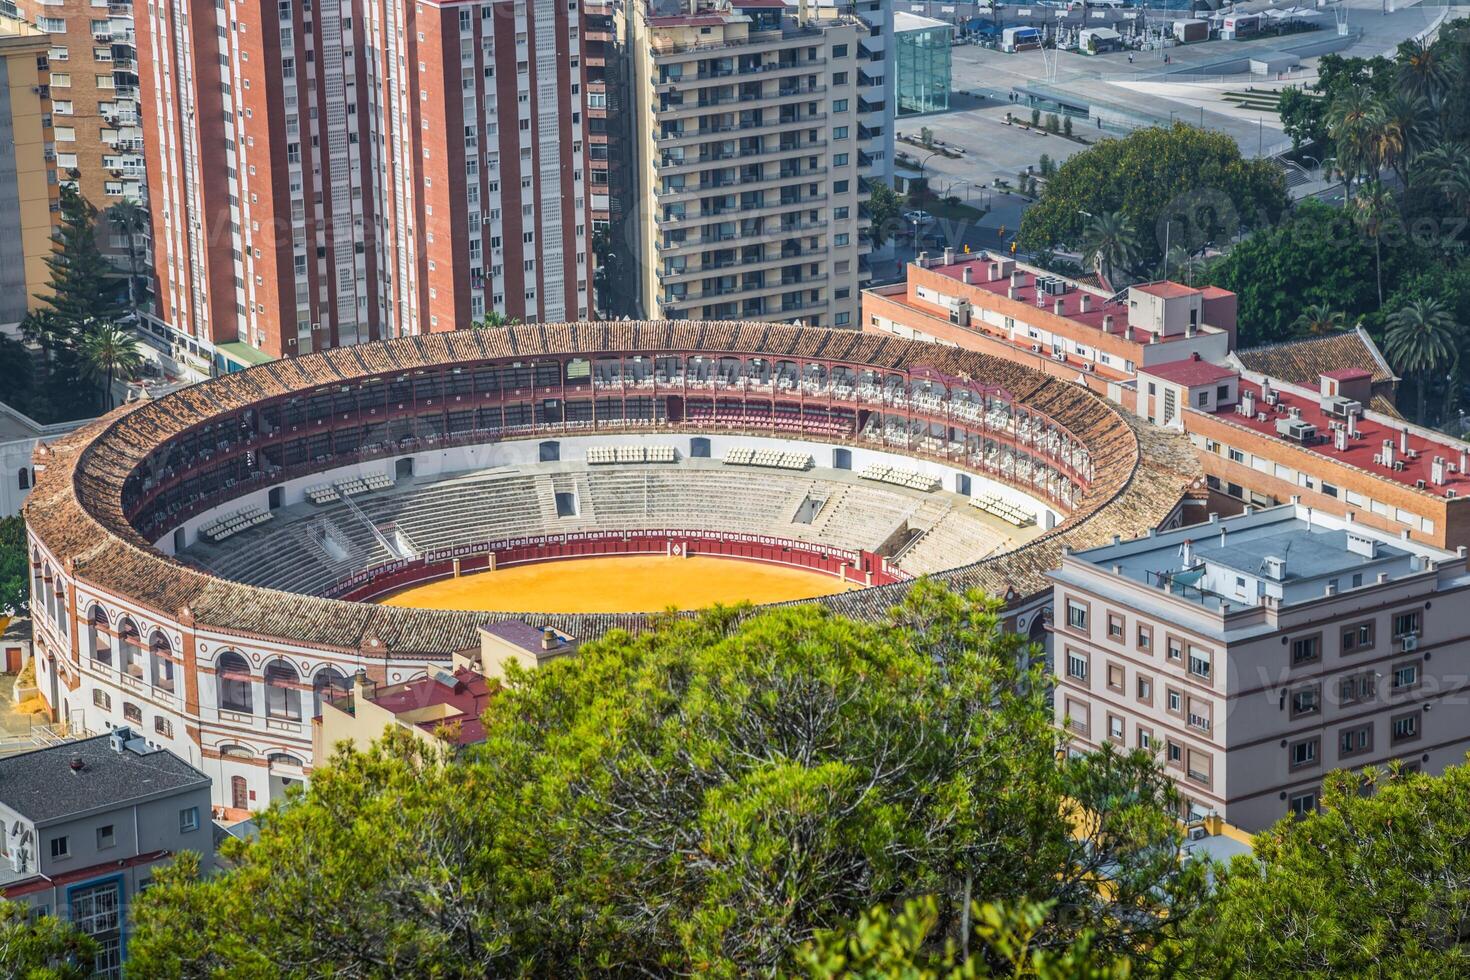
(493, 319)
(1320, 320)
(108, 350)
(1447, 168)
(1375, 211)
(1422, 72)
(1349, 123)
(1422, 340)
(1111, 244)
(1400, 127)
(131, 219)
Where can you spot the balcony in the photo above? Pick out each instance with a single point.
(767, 70)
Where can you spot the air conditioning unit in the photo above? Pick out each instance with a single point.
(1411, 643)
(1198, 833)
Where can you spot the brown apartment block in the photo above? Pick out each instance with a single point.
(1254, 654)
(323, 174)
(1065, 328)
(94, 103)
(27, 175)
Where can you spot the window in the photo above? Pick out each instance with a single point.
(1406, 624)
(1145, 689)
(1304, 753)
(132, 713)
(1176, 649)
(1145, 737)
(163, 726)
(1199, 766)
(1356, 639)
(102, 699)
(1306, 650)
(1354, 741)
(1077, 615)
(1146, 638)
(1174, 754)
(1306, 701)
(1115, 678)
(105, 837)
(839, 132)
(1406, 676)
(1175, 699)
(1115, 727)
(1405, 727)
(188, 819)
(1115, 627)
(60, 847)
(1199, 662)
(1199, 715)
(1356, 688)
(1077, 665)
(1078, 715)
(1303, 804)
(839, 105)
(97, 911)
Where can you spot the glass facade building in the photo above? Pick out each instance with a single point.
(922, 63)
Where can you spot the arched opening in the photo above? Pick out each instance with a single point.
(129, 649)
(98, 636)
(239, 793)
(282, 691)
(161, 663)
(24, 478)
(327, 684)
(233, 683)
(550, 451)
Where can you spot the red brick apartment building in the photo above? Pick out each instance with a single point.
(326, 174)
(1070, 330)
(1263, 441)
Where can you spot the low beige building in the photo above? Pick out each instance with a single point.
(1256, 653)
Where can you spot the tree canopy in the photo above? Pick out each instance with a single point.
(708, 796)
(41, 948)
(1183, 184)
(15, 584)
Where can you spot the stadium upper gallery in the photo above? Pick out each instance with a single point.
(209, 565)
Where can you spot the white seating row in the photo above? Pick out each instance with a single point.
(632, 453)
(240, 520)
(322, 494)
(899, 477)
(773, 458)
(1003, 509)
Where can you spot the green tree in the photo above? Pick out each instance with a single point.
(904, 946)
(1319, 320)
(1188, 180)
(1315, 257)
(15, 582)
(706, 796)
(1111, 244)
(1423, 340)
(1373, 885)
(108, 351)
(1303, 116)
(1350, 123)
(1402, 127)
(1423, 71)
(82, 288)
(494, 319)
(43, 948)
(1375, 211)
(883, 206)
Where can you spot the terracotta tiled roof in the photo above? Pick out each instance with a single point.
(1303, 362)
(1140, 475)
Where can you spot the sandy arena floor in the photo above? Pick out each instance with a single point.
(634, 583)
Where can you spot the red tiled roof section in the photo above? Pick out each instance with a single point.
(1359, 451)
(464, 694)
(1303, 362)
(1165, 290)
(1190, 372)
(75, 510)
(1347, 374)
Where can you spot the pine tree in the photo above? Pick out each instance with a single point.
(83, 287)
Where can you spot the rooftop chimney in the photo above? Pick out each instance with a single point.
(120, 737)
(1018, 279)
(949, 255)
(922, 260)
(76, 764)
(1404, 440)
(1153, 336)
(549, 640)
(966, 275)
(1186, 553)
(994, 271)
(1085, 302)
(1059, 307)
(1437, 470)
(1463, 461)
(1012, 292)
(1107, 323)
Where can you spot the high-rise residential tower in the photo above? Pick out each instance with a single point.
(324, 173)
(755, 129)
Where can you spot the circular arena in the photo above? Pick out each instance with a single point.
(208, 566)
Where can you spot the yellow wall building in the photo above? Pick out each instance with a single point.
(27, 169)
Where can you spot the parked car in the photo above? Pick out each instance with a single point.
(918, 217)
